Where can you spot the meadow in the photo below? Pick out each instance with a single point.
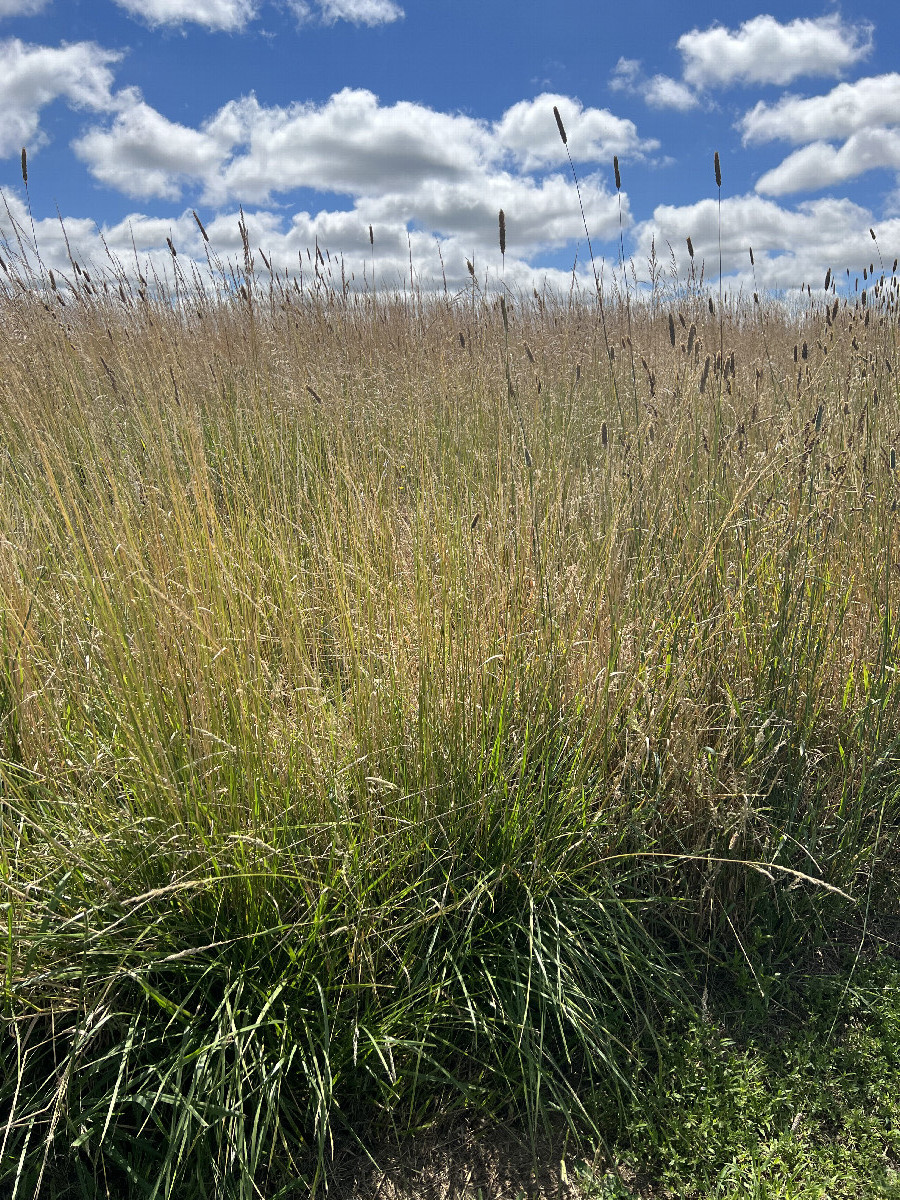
(470, 711)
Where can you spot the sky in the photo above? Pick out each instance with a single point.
(423, 118)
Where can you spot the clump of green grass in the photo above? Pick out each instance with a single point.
(393, 726)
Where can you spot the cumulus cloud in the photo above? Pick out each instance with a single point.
(350, 145)
(845, 110)
(763, 50)
(21, 8)
(529, 131)
(138, 243)
(145, 154)
(821, 165)
(864, 115)
(662, 91)
(32, 77)
(789, 244)
(214, 14)
(408, 170)
(659, 91)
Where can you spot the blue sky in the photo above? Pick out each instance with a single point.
(323, 117)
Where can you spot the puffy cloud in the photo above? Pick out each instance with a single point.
(32, 77)
(763, 50)
(350, 145)
(660, 91)
(864, 114)
(145, 154)
(214, 14)
(539, 214)
(664, 92)
(789, 245)
(21, 8)
(845, 110)
(529, 131)
(138, 243)
(821, 164)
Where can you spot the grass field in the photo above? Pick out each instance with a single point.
(447, 713)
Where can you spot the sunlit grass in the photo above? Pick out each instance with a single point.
(396, 724)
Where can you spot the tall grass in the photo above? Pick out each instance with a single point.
(394, 726)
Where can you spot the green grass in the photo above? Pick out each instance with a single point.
(394, 729)
(790, 1105)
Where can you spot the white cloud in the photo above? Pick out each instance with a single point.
(821, 165)
(144, 154)
(664, 92)
(361, 12)
(865, 115)
(763, 50)
(350, 145)
(845, 110)
(626, 75)
(32, 77)
(661, 91)
(214, 14)
(286, 243)
(21, 8)
(404, 167)
(789, 245)
(529, 131)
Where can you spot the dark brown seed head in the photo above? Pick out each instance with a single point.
(690, 246)
(171, 247)
(24, 166)
(712, 308)
(616, 170)
(502, 221)
(560, 126)
(470, 268)
(872, 231)
(200, 225)
(827, 278)
(752, 263)
(371, 237)
(718, 171)
(672, 331)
